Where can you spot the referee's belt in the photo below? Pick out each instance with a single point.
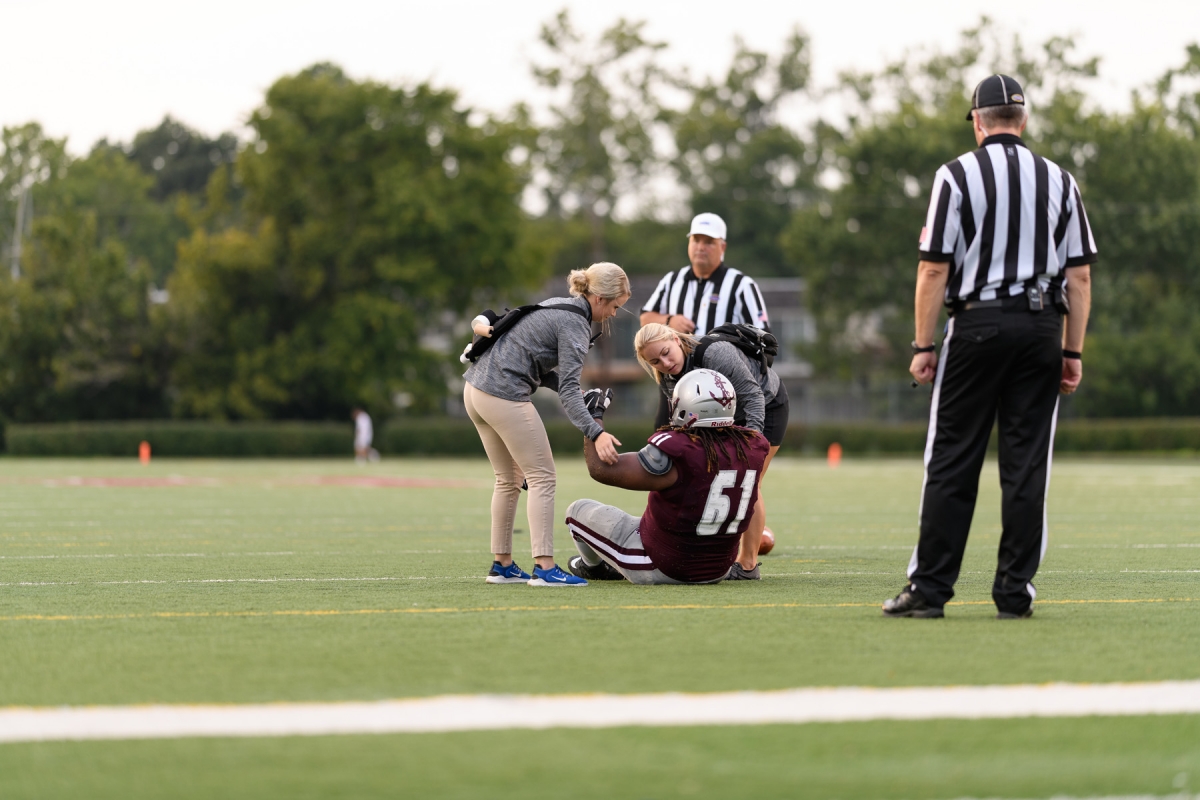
(1017, 303)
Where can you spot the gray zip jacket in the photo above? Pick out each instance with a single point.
(526, 357)
(755, 387)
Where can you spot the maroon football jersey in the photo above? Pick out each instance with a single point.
(691, 530)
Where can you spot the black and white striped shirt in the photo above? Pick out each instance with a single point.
(1003, 217)
(728, 295)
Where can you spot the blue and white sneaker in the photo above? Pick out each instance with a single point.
(554, 577)
(510, 574)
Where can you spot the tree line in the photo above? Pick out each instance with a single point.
(302, 268)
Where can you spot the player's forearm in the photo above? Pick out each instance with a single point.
(931, 290)
(653, 316)
(625, 474)
(597, 469)
(1079, 295)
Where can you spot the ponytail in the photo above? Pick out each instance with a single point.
(604, 280)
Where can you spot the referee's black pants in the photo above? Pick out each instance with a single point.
(996, 363)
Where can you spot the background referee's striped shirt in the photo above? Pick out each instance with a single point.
(728, 295)
(1001, 216)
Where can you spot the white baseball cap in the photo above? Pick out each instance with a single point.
(708, 224)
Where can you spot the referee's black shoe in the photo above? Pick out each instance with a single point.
(1026, 614)
(911, 603)
(601, 572)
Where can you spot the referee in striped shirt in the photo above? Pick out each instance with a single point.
(699, 297)
(1007, 248)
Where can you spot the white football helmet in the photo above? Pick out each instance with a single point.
(703, 398)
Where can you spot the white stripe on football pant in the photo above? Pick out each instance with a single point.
(633, 562)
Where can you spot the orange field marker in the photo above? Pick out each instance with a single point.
(834, 455)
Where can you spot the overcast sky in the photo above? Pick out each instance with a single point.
(88, 70)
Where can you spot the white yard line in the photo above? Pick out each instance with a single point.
(908, 548)
(505, 712)
(249, 580)
(1184, 796)
(154, 555)
(238, 555)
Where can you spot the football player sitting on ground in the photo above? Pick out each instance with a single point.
(762, 400)
(702, 473)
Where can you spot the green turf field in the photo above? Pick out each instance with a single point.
(218, 581)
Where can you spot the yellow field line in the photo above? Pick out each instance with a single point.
(332, 612)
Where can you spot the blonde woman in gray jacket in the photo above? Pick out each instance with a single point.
(543, 349)
(762, 405)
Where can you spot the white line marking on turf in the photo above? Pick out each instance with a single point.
(504, 712)
(908, 548)
(1159, 571)
(154, 555)
(253, 580)
(224, 555)
(1184, 796)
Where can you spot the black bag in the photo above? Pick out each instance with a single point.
(756, 343)
(503, 323)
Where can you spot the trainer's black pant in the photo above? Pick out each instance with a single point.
(1004, 363)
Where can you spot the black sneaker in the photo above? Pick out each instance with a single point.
(1026, 614)
(601, 572)
(910, 603)
(739, 573)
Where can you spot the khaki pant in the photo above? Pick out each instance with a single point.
(515, 440)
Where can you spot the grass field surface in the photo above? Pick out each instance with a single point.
(261, 581)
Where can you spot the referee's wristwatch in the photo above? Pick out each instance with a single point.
(917, 349)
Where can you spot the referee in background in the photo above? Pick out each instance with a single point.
(699, 297)
(1007, 247)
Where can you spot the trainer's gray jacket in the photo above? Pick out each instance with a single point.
(525, 358)
(755, 386)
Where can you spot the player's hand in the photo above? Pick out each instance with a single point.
(682, 324)
(597, 401)
(606, 447)
(1072, 374)
(923, 367)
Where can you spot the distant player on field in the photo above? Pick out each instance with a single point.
(364, 433)
(702, 473)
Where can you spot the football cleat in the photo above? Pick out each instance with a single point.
(554, 577)
(739, 573)
(911, 603)
(510, 574)
(601, 572)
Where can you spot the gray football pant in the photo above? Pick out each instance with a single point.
(605, 533)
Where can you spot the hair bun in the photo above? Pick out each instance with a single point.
(578, 282)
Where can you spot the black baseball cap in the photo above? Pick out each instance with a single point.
(997, 90)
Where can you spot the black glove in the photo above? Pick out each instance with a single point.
(597, 401)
